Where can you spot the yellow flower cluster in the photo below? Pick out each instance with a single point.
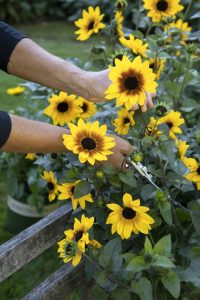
(73, 246)
(65, 108)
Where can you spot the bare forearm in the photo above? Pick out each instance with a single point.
(33, 136)
(31, 62)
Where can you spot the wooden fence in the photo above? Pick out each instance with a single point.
(27, 245)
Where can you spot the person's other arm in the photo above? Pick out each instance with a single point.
(21, 135)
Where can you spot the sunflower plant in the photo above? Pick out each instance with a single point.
(136, 229)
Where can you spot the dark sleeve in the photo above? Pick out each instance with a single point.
(5, 127)
(9, 38)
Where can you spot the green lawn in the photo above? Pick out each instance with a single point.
(59, 39)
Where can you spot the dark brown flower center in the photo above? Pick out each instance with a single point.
(126, 120)
(68, 249)
(78, 235)
(198, 170)
(151, 66)
(72, 189)
(84, 107)
(131, 83)
(50, 186)
(88, 143)
(119, 56)
(170, 125)
(162, 5)
(91, 25)
(62, 107)
(128, 213)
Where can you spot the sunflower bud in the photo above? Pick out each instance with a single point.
(160, 42)
(160, 111)
(161, 196)
(136, 156)
(191, 48)
(99, 174)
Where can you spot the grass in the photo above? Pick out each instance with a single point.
(58, 38)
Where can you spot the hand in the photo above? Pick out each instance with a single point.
(98, 82)
(121, 149)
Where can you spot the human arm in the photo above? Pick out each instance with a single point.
(37, 137)
(22, 57)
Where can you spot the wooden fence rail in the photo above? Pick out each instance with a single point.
(27, 245)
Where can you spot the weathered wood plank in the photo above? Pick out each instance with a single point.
(59, 285)
(34, 240)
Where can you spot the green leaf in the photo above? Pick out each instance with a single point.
(81, 189)
(163, 246)
(196, 15)
(103, 281)
(162, 261)
(148, 246)
(142, 288)
(165, 210)
(192, 274)
(189, 105)
(111, 255)
(128, 178)
(148, 191)
(172, 283)
(195, 215)
(137, 264)
(121, 294)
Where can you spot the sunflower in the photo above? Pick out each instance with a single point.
(130, 218)
(69, 252)
(51, 184)
(67, 192)
(174, 121)
(159, 9)
(63, 108)
(119, 21)
(80, 234)
(152, 129)
(31, 156)
(130, 81)
(15, 91)
(194, 170)
(157, 65)
(124, 121)
(183, 28)
(88, 108)
(136, 45)
(89, 141)
(89, 23)
(182, 148)
(77, 239)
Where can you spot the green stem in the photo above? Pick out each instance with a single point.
(187, 10)
(172, 201)
(151, 238)
(143, 119)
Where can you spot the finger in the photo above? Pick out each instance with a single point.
(153, 95)
(135, 107)
(149, 100)
(144, 107)
(127, 148)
